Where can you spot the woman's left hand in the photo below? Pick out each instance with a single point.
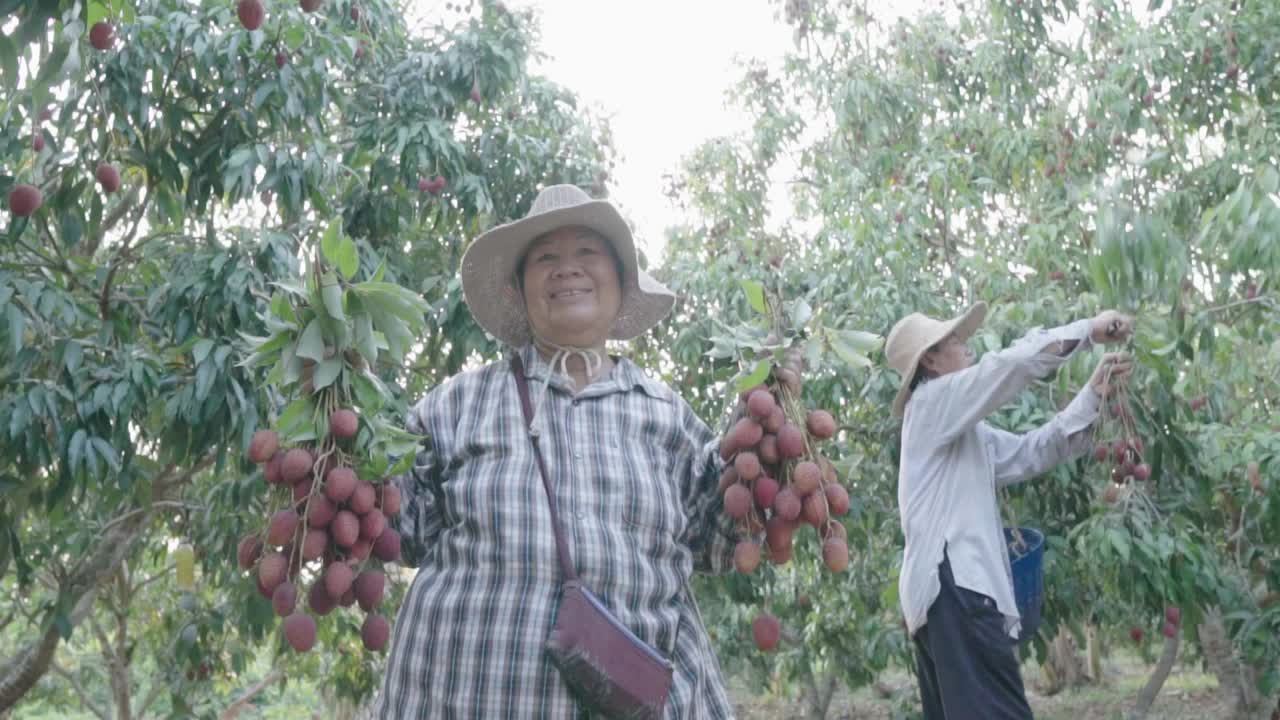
(1114, 369)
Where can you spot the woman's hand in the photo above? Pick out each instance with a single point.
(1113, 370)
(1111, 326)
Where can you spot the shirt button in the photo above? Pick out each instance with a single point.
(577, 456)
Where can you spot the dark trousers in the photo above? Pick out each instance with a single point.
(965, 660)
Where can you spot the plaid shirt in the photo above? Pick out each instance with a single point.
(635, 473)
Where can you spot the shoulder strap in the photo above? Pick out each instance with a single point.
(562, 547)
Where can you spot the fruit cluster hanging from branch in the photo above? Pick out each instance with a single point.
(326, 462)
(777, 478)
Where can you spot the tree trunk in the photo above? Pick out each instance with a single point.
(1095, 653)
(1237, 682)
(1063, 667)
(1148, 694)
(19, 674)
(818, 694)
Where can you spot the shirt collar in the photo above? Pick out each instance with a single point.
(625, 376)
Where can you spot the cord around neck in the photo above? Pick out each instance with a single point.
(591, 357)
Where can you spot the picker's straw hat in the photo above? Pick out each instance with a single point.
(916, 333)
(489, 267)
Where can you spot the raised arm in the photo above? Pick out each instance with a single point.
(952, 404)
(1067, 436)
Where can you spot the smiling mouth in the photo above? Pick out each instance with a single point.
(563, 294)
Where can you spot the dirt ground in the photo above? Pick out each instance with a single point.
(1187, 695)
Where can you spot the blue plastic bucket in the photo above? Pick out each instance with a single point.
(1027, 563)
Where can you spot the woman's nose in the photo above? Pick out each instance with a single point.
(567, 269)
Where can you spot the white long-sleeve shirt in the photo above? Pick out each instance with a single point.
(953, 462)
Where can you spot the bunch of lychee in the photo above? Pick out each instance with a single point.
(776, 480)
(1124, 453)
(331, 531)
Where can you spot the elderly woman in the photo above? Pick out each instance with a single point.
(634, 472)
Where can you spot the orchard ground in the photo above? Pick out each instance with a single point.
(1189, 694)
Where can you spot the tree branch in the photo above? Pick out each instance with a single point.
(163, 573)
(84, 696)
(104, 299)
(115, 216)
(157, 687)
(233, 710)
(29, 664)
(1148, 694)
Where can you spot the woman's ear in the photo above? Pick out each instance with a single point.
(928, 361)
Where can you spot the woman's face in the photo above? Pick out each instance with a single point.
(948, 356)
(571, 287)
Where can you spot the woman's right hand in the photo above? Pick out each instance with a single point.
(1111, 326)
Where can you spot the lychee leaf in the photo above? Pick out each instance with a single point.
(311, 344)
(16, 326)
(331, 239)
(201, 350)
(364, 337)
(847, 352)
(8, 63)
(282, 308)
(756, 377)
(97, 11)
(402, 465)
(755, 295)
(348, 258)
(75, 450)
(327, 372)
(107, 452)
(331, 293)
(297, 412)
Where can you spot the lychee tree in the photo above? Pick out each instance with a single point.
(197, 198)
(1052, 159)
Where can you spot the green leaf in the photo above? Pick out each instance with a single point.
(8, 63)
(298, 412)
(201, 350)
(863, 342)
(107, 453)
(73, 355)
(311, 344)
(1120, 543)
(75, 451)
(283, 309)
(331, 239)
(206, 373)
(72, 227)
(756, 377)
(800, 313)
(755, 295)
(17, 325)
(364, 340)
(348, 258)
(331, 293)
(97, 11)
(52, 65)
(327, 372)
(402, 465)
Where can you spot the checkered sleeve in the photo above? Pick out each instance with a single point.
(711, 534)
(419, 520)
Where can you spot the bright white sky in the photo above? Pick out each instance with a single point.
(659, 70)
